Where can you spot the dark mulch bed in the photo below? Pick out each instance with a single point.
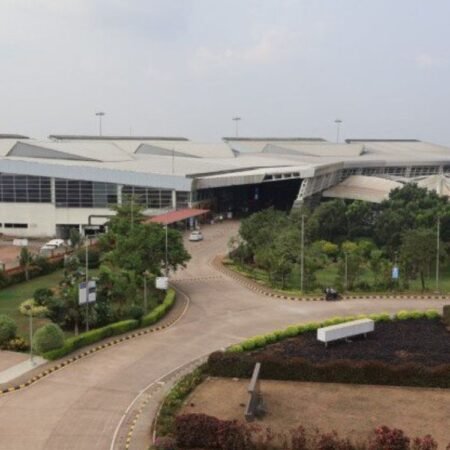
(419, 341)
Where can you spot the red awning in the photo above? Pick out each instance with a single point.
(176, 216)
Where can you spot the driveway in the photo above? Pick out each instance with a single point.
(80, 406)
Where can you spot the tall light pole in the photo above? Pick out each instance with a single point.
(87, 284)
(167, 252)
(29, 308)
(346, 271)
(338, 129)
(100, 114)
(302, 255)
(236, 121)
(437, 252)
(145, 291)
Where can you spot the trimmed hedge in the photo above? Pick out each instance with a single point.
(114, 329)
(234, 362)
(8, 329)
(294, 330)
(241, 365)
(161, 310)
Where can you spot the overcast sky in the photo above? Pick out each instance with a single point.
(186, 67)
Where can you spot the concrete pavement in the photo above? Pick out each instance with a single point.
(80, 407)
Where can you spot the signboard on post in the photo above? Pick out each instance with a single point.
(162, 283)
(395, 273)
(91, 295)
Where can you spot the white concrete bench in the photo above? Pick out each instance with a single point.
(345, 330)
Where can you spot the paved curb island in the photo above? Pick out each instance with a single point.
(175, 313)
(253, 285)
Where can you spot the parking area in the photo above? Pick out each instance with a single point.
(9, 253)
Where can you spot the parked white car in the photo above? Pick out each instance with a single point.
(56, 242)
(52, 245)
(196, 236)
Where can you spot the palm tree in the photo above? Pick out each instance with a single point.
(26, 259)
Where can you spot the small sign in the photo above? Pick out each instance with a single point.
(20, 242)
(162, 283)
(92, 292)
(395, 273)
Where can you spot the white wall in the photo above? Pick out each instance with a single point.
(42, 218)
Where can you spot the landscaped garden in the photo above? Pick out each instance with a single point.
(124, 263)
(350, 245)
(206, 409)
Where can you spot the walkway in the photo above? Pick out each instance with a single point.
(80, 406)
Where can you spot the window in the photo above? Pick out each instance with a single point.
(84, 194)
(24, 189)
(148, 197)
(16, 225)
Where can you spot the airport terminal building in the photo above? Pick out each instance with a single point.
(48, 186)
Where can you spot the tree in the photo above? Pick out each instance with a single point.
(26, 259)
(328, 222)
(140, 246)
(75, 238)
(418, 253)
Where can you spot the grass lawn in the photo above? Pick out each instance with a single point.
(11, 297)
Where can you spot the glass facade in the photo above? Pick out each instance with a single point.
(24, 189)
(149, 197)
(84, 194)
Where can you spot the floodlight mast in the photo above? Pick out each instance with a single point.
(338, 129)
(236, 121)
(100, 114)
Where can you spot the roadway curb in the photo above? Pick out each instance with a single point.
(97, 348)
(218, 264)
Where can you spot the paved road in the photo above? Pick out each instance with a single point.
(80, 406)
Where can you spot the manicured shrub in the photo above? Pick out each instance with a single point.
(446, 314)
(197, 431)
(17, 344)
(36, 309)
(331, 441)
(432, 314)
(41, 296)
(424, 443)
(8, 329)
(165, 443)
(233, 435)
(240, 365)
(386, 439)
(235, 348)
(382, 317)
(49, 337)
(406, 315)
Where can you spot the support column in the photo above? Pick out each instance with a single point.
(119, 194)
(174, 199)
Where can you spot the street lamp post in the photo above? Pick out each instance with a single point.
(346, 271)
(302, 255)
(29, 308)
(338, 129)
(145, 292)
(236, 121)
(167, 253)
(87, 284)
(100, 114)
(437, 252)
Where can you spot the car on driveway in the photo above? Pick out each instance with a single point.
(196, 236)
(52, 245)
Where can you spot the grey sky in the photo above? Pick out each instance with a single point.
(185, 67)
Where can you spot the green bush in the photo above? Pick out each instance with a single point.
(114, 329)
(17, 344)
(8, 329)
(235, 348)
(382, 317)
(42, 295)
(406, 315)
(446, 314)
(49, 337)
(241, 365)
(432, 314)
(93, 257)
